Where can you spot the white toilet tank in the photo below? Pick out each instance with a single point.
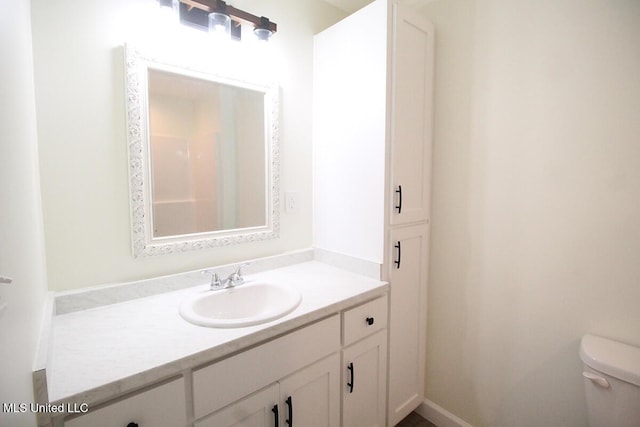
(612, 382)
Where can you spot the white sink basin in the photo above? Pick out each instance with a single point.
(245, 305)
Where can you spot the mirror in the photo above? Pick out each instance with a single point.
(207, 152)
(203, 156)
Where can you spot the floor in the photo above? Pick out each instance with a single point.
(414, 420)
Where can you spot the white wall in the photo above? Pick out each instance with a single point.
(82, 137)
(536, 202)
(349, 158)
(21, 233)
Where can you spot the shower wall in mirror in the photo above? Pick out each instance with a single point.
(203, 153)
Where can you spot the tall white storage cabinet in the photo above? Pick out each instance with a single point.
(373, 91)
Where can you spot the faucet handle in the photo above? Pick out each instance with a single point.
(215, 280)
(238, 272)
(236, 277)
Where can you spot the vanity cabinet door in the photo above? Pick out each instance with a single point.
(160, 406)
(311, 397)
(364, 382)
(257, 410)
(407, 320)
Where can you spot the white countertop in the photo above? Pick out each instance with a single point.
(102, 352)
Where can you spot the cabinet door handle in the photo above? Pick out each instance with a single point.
(290, 407)
(275, 415)
(350, 384)
(399, 205)
(397, 261)
(370, 320)
(132, 425)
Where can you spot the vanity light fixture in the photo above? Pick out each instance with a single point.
(216, 16)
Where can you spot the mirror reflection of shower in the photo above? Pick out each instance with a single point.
(207, 152)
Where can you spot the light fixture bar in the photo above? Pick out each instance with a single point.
(210, 6)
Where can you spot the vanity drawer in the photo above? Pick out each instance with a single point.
(364, 320)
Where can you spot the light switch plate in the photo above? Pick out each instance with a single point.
(291, 202)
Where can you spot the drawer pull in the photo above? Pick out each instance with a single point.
(370, 321)
(399, 205)
(290, 407)
(275, 415)
(350, 384)
(132, 425)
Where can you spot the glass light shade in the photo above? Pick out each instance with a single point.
(219, 24)
(169, 11)
(262, 33)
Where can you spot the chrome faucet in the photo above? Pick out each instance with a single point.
(234, 279)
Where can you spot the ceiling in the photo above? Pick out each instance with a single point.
(351, 6)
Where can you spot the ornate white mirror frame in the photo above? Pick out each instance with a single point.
(144, 243)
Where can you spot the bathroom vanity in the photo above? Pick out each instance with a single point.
(138, 362)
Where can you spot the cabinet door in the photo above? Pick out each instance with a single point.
(258, 410)
(364, 382)
(407, 321)
(160, 406)
(411, 130)
(311, 397)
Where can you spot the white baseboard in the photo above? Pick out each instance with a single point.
(440, 416)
